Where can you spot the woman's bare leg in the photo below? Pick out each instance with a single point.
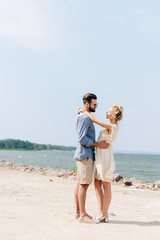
(99, 194)
(106, 198)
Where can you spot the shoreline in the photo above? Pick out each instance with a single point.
(115, 152)
(72, 174)
(37, 150)
(142, 167)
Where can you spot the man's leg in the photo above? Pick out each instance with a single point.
(84, 175)
(82, 199)
(76, 199)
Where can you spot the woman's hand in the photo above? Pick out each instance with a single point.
(80, 109)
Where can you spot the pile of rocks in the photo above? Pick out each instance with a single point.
(71, 174)
(118, 179)
(44, 171)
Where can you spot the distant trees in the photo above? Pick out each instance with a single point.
(25, 145)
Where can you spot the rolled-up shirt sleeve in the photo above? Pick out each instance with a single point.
(82, 130)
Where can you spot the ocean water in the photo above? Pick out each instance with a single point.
(142, 166)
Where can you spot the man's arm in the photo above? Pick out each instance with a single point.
(102, 144)
(82, 129)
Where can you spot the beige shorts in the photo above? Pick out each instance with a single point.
(85, 170)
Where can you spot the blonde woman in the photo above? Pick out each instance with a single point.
(104, 161)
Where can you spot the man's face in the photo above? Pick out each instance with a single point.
(93, 105)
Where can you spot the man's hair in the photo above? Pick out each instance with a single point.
(88, 97)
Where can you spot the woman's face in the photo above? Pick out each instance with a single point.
(110, 115)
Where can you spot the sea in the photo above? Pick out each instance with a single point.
(139, 165)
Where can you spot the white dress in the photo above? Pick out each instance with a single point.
(104, 161)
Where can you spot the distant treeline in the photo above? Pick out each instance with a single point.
(25, 145)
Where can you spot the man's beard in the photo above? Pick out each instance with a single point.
(91, 109)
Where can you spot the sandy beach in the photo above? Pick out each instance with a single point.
(35, 206)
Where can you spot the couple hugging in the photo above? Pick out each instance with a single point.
(104, 159)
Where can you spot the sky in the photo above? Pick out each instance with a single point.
(52, 52)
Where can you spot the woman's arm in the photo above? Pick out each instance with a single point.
(108, 126)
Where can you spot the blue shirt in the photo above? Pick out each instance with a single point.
(86, 136)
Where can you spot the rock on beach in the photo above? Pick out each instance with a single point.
(62, 173)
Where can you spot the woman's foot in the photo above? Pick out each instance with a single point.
(102, 218)
(99, 215)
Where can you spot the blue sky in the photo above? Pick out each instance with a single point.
(53, 52)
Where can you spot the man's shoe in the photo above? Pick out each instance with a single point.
(76, 216)
(86, 220)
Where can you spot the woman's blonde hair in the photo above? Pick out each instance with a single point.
(118, 110)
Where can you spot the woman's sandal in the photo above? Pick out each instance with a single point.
(102, 219)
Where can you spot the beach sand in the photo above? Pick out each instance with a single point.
(41, 207)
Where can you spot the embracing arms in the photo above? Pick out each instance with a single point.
(108, 126)
(102, 144)
(83, 138)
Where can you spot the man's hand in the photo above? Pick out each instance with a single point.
(103, 144)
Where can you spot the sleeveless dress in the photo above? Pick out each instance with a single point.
(104, 160)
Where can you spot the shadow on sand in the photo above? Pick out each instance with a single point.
(153, 223)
